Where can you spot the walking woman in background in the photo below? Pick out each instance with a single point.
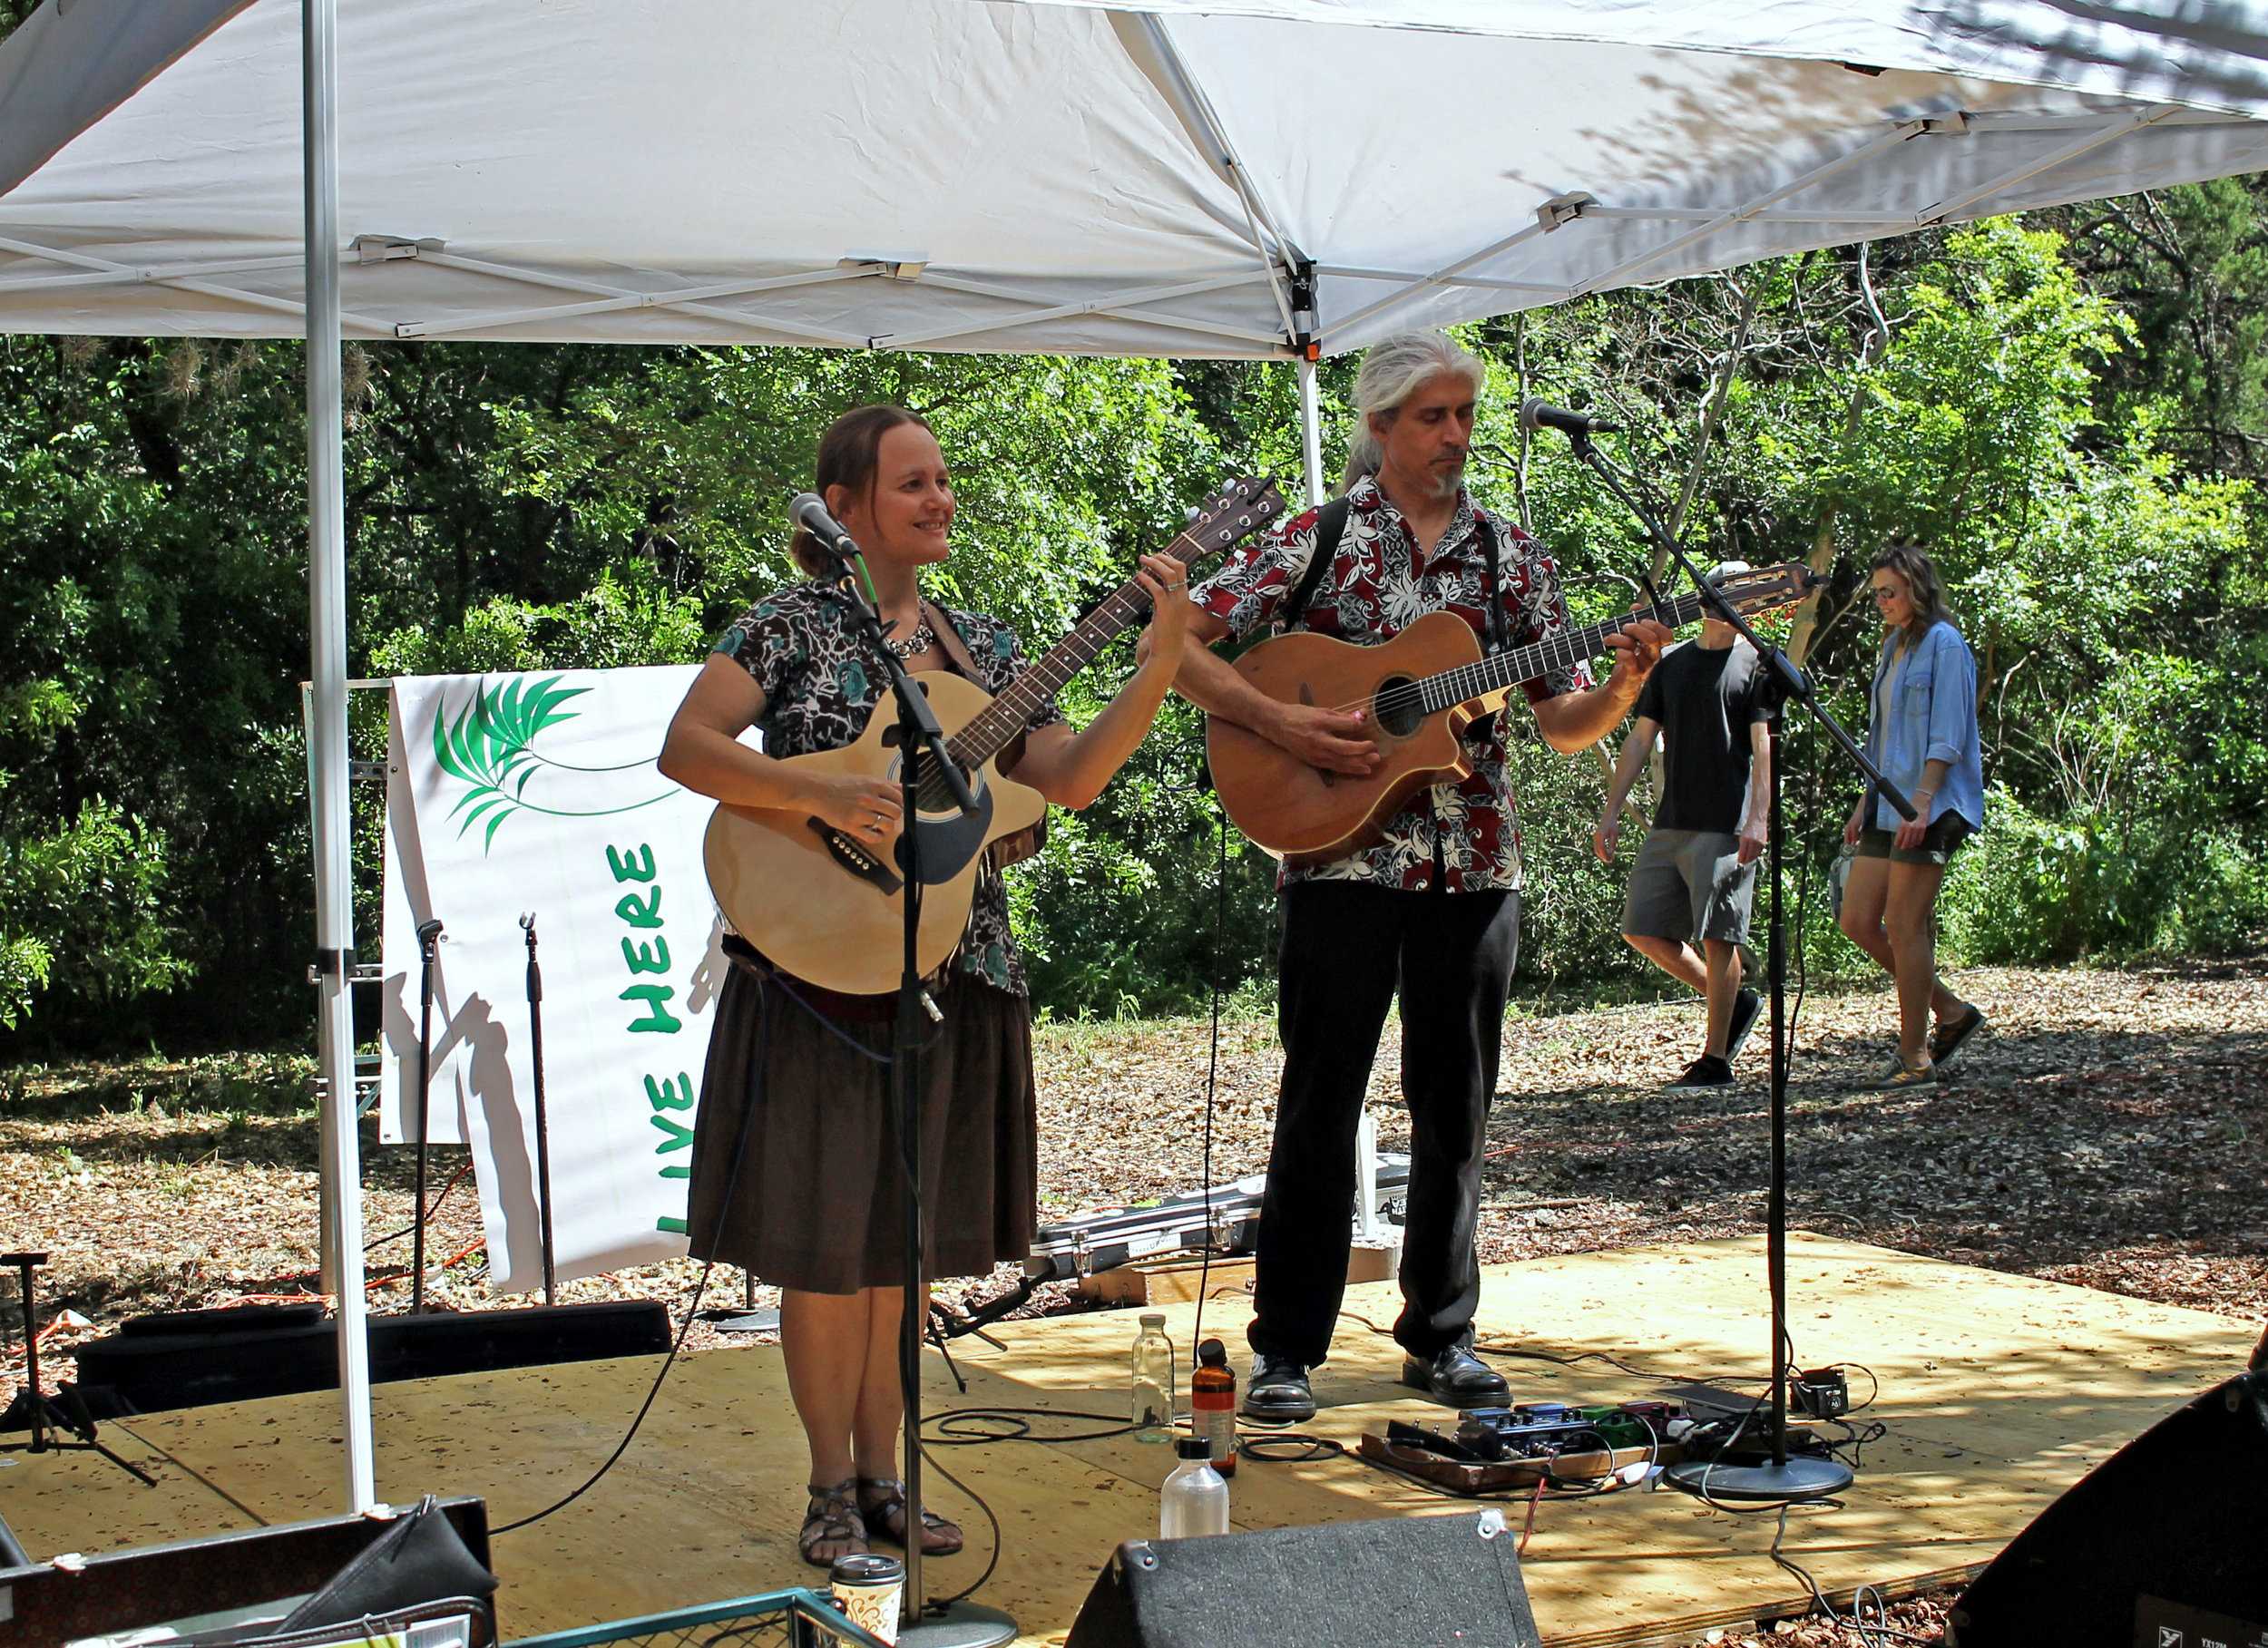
(1922, 732)
(814, 1206)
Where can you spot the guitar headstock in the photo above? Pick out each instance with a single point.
(1764, 588)
(1242, 508)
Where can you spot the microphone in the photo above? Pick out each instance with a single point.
(1537, 413)
(809, 512)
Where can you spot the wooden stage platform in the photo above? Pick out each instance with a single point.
(1998, 1392)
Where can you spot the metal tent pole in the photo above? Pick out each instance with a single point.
(1310, 433)
(326, 752)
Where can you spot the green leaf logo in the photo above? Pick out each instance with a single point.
(487, 748)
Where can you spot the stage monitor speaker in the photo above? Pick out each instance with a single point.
(218, 1580)
(2159, 1544)
(1417, 1582)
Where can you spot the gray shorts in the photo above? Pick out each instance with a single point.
(1690, 884)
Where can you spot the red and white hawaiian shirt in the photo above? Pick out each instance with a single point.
(1464, 836)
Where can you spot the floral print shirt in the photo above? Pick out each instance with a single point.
(1461, 836)
(802, 645)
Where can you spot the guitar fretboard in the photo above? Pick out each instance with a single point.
(994, 727)
(1507, 669)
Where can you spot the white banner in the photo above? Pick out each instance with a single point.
(537, 794)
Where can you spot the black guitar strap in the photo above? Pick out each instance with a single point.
(1330, 527)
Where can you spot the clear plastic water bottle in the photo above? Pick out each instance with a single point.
(1152, 1406)
(1195, 1500)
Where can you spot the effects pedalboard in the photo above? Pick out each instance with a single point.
(1545, 1439)
(1545, 1431)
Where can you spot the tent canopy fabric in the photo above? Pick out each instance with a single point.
(1198, 178)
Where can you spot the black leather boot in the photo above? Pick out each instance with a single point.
(1458, 1378)
(1277, 1390)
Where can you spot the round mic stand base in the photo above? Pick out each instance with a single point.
(958, 1625)
(1767, 1483)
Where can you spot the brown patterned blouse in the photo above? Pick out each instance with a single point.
(801, 645)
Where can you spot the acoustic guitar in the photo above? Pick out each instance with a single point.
(820, 906)
(1419, 691)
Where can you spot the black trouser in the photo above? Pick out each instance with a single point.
(1346, 946)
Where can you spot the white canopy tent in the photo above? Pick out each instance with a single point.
(1236, 178)
(966, 175)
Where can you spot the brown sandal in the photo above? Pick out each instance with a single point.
(882, 1503)
(832, 1525)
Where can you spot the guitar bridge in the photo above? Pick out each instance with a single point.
(855, 858)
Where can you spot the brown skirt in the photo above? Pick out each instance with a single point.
(816, 1201)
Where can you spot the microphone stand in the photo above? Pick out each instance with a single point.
(542, 1120)
(922, 751)
(429, 951)
(1783, 1480)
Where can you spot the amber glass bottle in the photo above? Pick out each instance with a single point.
(1213, 1404)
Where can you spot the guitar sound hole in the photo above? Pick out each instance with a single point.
(1397, 708)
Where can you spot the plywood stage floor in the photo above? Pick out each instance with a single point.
(1998, 1392)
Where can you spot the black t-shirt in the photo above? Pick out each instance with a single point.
(1706, 701)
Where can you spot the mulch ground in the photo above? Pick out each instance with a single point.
(2104, 1130)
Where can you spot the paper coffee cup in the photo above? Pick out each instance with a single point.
(868, 1589)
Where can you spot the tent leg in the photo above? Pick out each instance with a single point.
(1310, 433)
(327, 753)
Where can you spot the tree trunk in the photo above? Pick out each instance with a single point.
(1822, 555)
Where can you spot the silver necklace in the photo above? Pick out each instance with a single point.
(917, 642)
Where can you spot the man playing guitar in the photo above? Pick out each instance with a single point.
(1432, 907)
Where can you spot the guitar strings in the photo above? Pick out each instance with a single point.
(1409, 693)
(1120, 609)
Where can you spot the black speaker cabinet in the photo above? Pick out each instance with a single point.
(1416, 1582)
(2160, 1546)
(196, 1584)
(187, 1360)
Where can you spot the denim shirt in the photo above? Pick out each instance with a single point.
(1934, 719)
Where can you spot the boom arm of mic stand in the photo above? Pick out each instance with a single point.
(1787, 680)
(912, 703)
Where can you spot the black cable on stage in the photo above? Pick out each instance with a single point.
(952, 1432)
(701, 1287)
(912, 1533)
(951, 1425)
(1870, 1632)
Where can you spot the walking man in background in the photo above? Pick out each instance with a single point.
(1695, 878)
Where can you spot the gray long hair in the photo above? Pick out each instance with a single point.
(1394, 369)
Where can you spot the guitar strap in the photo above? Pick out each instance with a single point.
(1493, 634)
(1009, 849)
(1331, 526)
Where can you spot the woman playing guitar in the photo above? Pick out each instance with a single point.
(813, 1206)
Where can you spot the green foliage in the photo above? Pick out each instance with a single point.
(83, 907)
(2069, 413)
(2102, 884)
